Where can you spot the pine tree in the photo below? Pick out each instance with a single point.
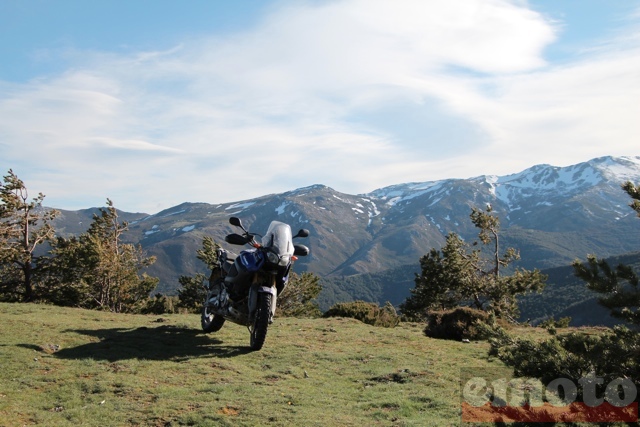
(634, 192)
(98, 270)
(192, 292)
(444, 275)
(24, 226)
(298, 297)
(610, 355)
(619, 286)
(463, 275)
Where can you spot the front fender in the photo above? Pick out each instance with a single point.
(257, 289)
(267, 290)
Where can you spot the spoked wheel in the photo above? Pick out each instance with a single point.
(210, 322)
(261, 322)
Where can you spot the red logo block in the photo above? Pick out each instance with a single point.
(494, 399)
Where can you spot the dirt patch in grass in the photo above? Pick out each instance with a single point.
(229, 410)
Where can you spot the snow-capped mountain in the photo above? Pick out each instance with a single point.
(528, 198)
(552, 214)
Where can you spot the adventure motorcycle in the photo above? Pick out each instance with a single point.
(244, 288)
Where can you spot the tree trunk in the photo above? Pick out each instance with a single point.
(28, 283)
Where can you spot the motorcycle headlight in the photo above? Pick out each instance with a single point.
(273, 257)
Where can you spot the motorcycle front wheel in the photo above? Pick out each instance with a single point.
(261, 321)
(210, 322)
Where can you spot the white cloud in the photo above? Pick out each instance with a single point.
(132, 145)
(569, 113)
(309, 95)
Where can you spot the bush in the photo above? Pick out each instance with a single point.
(192, 293)
(456, 324)
(611, 354)
(159, 304)
(563, 322)
(367, 312)
(298, 298)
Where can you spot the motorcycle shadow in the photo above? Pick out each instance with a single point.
(149, 343)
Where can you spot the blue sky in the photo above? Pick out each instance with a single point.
(152, 103)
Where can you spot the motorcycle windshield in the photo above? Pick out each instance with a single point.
(279, 240)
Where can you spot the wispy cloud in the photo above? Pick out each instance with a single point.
(355, 94)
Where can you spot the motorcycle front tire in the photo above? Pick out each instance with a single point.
(210, 322)
(261, 321)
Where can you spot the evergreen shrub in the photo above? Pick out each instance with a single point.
(457, 324)
(366, 312)
(610, 354)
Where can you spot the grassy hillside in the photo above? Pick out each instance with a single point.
(71, 367)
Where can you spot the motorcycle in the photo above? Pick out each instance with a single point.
(244, 288)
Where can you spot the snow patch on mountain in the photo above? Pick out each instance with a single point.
(173, 213)
(240, 206)
(153, 230)
(398, 194)
(280, 209)
(306, 190)
(621, 169)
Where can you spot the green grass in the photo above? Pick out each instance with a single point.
(72, 367)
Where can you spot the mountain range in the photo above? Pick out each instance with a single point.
(551, 214)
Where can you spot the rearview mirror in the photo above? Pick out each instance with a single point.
(302, 233)
(235, 221)
(300, 250)
(236, 239)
